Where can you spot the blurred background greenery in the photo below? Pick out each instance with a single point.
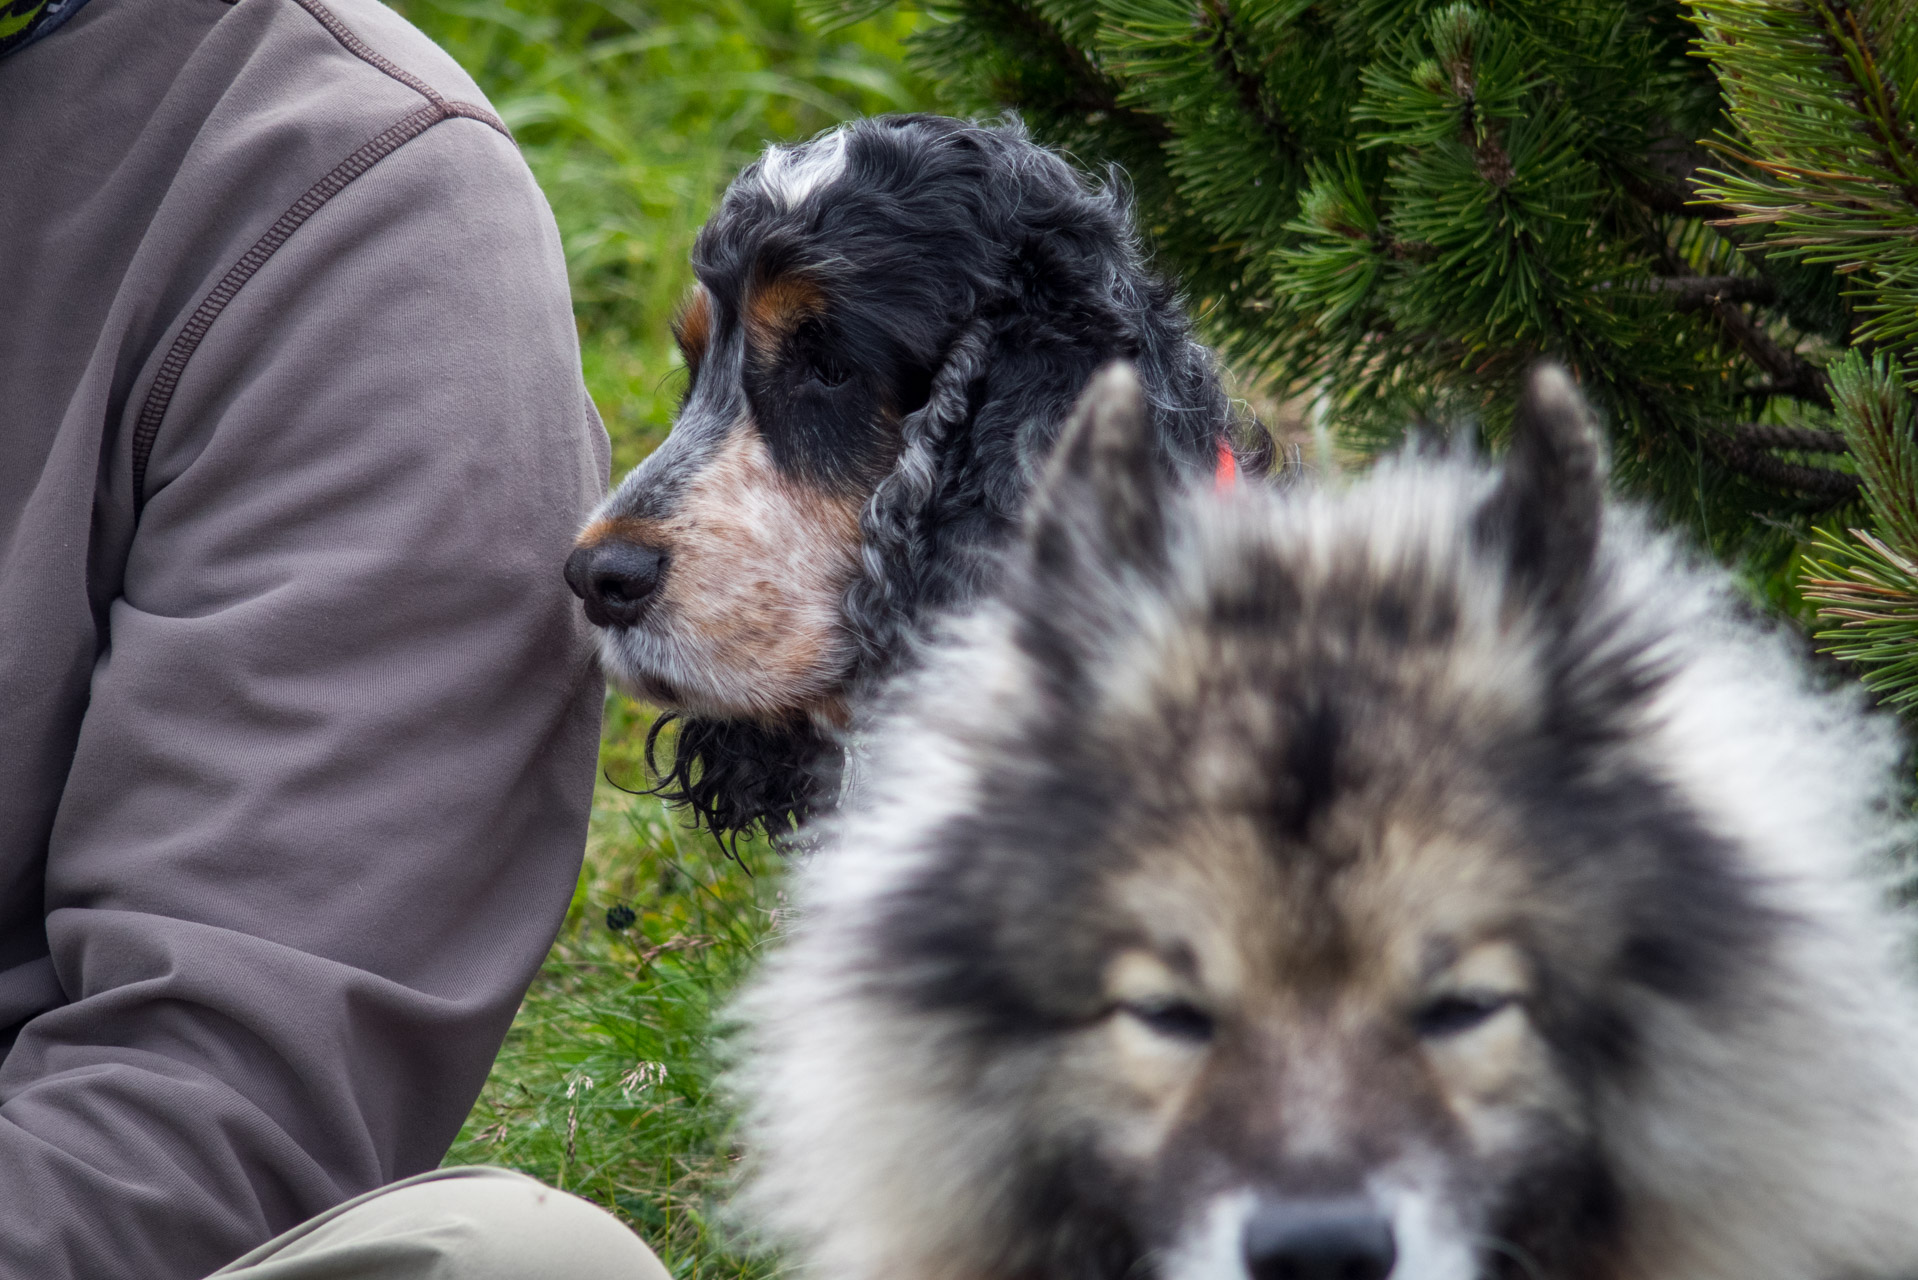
(634, 114)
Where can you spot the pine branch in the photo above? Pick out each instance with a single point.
(1760, 435)
(1827, 156)
(1403, 203)
(1041, 42)
(1837, 486)
(1870, 592)
(1877, 415)
(1872, 97)
(1226, 42)
(1772, 390)
(1669, 190)
(1698, 291)
(1792, 374)
(1494, 161)
(1672, 201)
(1479, 131)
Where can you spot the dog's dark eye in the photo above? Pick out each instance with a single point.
(1449, 1015)
(1174, 1019)
(816, 358)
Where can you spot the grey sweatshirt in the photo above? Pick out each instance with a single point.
(297, 719)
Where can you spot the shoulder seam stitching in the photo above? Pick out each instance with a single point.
(439, 107)
(352, 43)
(160, 394)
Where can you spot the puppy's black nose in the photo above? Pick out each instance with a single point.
(1318, 1240)
(616, 579)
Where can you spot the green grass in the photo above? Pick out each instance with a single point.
(606, 1084)
(633, 115)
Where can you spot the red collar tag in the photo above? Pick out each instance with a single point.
(1227, 474)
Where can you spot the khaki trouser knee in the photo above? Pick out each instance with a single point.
(469, 1223)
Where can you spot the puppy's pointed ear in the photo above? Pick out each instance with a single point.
(1544, 516)
(1103, 484)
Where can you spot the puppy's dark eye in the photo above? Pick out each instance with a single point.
(1174, 1019)
(1449, 1015)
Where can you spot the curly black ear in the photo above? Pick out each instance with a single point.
(1545, 514)
(1104, 490)
(1054, 286)
(900, 574)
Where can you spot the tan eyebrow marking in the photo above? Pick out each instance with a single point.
(693, 326)
(1140, 974)
(776, 307)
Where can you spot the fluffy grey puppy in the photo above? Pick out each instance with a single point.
(1436, 877)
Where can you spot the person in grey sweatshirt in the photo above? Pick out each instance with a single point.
(297, 722)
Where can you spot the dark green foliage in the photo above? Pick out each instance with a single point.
(1868, 584)
(1395, 206)
(1821, 169)
(1876, 414)
(1826, 148)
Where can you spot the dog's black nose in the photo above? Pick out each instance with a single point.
(616, 579)
(1318, 1240)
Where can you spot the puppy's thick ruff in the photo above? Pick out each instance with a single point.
(1434, 879)
(891, 322)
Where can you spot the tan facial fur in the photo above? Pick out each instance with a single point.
(1314, 987)
(693, 327)
(1154, 1071)
(748, 619)
(775, 308)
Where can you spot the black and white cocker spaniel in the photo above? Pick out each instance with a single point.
(890, 325)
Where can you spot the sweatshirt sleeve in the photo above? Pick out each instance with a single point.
(330, 793)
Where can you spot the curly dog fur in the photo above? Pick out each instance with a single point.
(891, 322)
